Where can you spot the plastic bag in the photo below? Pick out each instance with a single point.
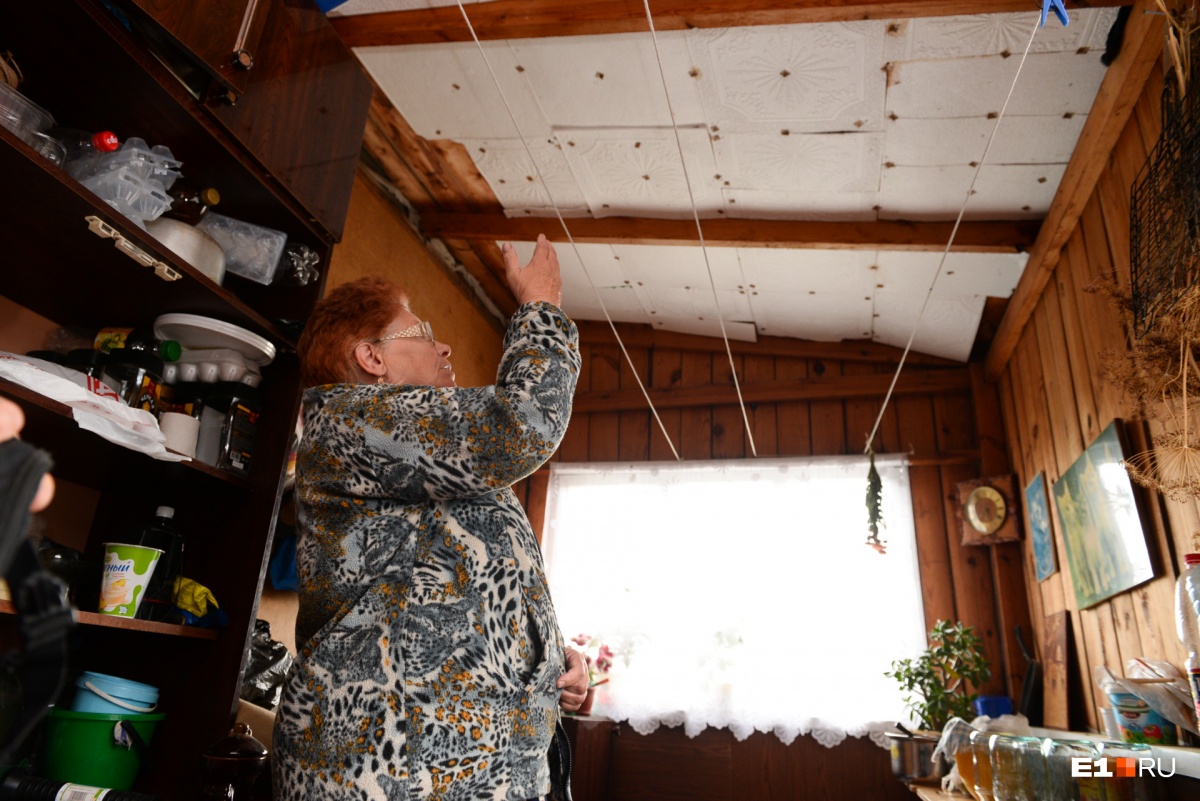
(266, 668)
(1158, 683)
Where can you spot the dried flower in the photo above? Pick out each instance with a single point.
(598, 656)
(1159, 373)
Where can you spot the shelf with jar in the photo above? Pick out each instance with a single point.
(283, 160)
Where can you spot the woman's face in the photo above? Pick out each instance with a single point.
(412, 356)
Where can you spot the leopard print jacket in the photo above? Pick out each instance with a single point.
(429, 645)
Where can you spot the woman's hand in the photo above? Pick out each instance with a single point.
(12, 420)
(573, 683)
(538, 280)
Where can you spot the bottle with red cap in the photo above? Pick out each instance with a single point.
(83, 148)
(1187, 619)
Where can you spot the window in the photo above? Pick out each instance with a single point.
(739, 593)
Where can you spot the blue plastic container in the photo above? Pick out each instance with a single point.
(110, 695)
(993, 705)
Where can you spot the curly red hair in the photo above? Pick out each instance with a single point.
(353, 312)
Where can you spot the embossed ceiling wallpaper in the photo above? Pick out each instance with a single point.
(864, 121)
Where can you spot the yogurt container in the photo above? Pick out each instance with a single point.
(1139, 723)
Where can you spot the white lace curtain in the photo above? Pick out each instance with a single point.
(739, 594)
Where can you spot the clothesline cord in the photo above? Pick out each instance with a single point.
(699, 229)
(567, 231)
(953, 232)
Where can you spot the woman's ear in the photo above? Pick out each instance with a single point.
(369, 359)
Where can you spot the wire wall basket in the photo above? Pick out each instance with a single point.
(1164, 225)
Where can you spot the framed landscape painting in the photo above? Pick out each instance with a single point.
(1037, 510)
(1101, 528)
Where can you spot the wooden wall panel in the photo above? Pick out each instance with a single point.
(1055, 401)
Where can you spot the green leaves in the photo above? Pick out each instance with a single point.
(874, 505)
(942, 681)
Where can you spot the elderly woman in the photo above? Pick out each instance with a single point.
(430, 661)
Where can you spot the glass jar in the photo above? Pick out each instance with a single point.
(982, 758)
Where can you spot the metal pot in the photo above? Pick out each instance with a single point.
(912, 757)
(190, 244)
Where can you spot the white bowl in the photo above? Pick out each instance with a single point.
(190, 244)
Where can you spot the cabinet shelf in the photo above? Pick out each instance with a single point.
(89, 281)
(129, 624)
(284, 158)
(54, 409)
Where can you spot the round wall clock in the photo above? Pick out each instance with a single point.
(985, 509)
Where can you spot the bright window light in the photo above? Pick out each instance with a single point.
(739, 593)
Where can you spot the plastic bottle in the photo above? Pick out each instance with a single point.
(82, 149)
(159, 601)
(20, 787)
(141, 340)
(189, 202)
(1187, 620)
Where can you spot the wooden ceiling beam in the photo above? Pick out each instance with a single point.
(972, 237)
(521, 19)
(842, 387)
(1141, 52)
(637, 335)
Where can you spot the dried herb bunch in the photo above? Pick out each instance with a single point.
(875, 507)
(1160, 375)
(1182, 28)
(10, 73)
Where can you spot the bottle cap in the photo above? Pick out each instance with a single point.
(170, 350)
(1191, 559)
(105, 141)
(165, 511)
(210, 196)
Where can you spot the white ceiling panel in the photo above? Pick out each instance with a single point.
(622, 303)
(941, 330)
(937, 193)
(609, 81)
(1049, 84)
(836, 163)
(695, 303)
(445, 91)
(808, 273)
(992, 34)
(523, 185)
(768, 205)
(663, 266)
(914, 142)
(800, 77)
(986, 274)
(638, 172)
(829, 317)
(881, 119)
(743, 332)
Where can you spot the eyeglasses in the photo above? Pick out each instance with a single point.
(423, 330)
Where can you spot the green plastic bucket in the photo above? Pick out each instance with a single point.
(81, 748)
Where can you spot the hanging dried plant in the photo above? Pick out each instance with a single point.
(1160, 375)
(10, 73)
(875, 506)
(1182, 28)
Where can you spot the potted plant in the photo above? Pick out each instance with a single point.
(940, 684)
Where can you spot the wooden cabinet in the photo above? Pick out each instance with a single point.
(91, 71)
(221, 35)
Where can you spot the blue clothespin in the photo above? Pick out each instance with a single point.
(1060, 11)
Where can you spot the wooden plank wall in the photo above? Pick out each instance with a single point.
(1055, 401)
(958, 583)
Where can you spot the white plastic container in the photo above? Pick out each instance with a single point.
(206, 366)
(251, 251)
